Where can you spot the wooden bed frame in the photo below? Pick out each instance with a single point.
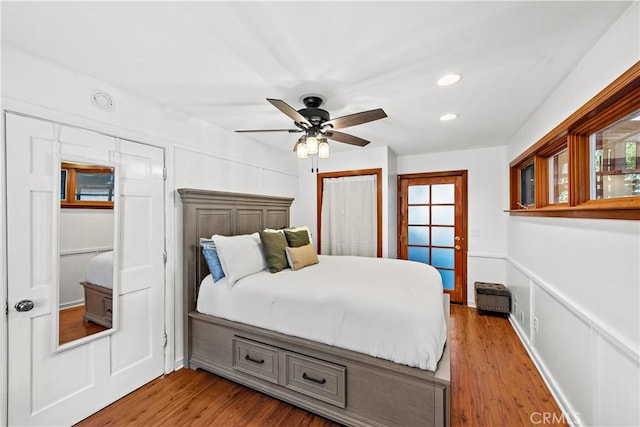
(345, 386)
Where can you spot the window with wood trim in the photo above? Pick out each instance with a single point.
(86, 186)
(589, 165)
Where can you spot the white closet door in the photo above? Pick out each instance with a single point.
(61, 388)
(137, 350)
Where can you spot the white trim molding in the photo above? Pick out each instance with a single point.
(486, 255)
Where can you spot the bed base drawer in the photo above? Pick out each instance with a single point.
(256, 359)
(312, 377)
(303, 374)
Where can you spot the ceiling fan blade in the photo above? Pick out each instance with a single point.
(289, 111)
(346, 138)
(356, 118)
(270, 130)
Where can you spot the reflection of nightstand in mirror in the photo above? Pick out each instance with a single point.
(98, 304)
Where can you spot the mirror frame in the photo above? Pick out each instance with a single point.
(55, 286)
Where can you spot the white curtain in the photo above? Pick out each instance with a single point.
(349, 216)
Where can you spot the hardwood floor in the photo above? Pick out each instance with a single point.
(493, 383)
(72, 326)
(493, 380)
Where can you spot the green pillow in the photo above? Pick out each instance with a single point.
(297, 238)
(273, 245)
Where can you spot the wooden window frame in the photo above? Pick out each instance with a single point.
(554, 175)
(69, 202)
(320, 188)
(616, 101)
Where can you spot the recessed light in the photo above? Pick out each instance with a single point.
(448, 116)
(449, 79)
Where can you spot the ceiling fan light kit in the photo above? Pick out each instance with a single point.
(301, 149)
(317, 125)
(323, 149)
(312, 144)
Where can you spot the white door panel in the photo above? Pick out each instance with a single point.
(48, 386)
(76, 142)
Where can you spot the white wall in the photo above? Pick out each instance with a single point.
(580, 278)
(197, 154)
(305, 211)
(487, 200)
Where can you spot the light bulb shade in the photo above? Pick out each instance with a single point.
(323, 149)
(312, 145)
(301, 150)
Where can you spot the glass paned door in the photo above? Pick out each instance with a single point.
(432, 230)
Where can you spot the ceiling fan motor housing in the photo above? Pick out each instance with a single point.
(313, 113)
(316, 116)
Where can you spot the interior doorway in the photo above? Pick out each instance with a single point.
(432, 225)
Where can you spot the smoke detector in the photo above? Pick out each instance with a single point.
(102, 100)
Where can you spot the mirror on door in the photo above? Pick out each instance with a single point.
(86, 242)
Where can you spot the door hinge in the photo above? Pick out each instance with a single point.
(164, 345)
(164, 256)
(164, 173)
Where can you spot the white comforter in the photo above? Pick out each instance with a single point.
(100, 270)
(387, 308)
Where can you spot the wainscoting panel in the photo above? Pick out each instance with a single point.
(210, 171)
(520, 285)
(593, 374)
(563, 343)
(617, 385)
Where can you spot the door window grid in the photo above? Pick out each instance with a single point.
(431, 221)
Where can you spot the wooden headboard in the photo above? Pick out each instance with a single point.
(206, 213)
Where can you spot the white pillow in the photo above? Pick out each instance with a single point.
(240, 256)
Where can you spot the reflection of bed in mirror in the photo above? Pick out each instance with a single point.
(353, 388)
(98, 290)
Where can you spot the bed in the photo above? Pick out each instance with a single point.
(98, 290)
(348, 386)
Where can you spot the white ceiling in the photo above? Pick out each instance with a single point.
(220, 60)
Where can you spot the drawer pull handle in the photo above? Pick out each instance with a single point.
(308, 378)
(259, 362)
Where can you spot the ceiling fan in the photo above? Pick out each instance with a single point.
(316, 123)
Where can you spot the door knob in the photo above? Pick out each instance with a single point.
(456, 247)
(457, 238)
(24, 305)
